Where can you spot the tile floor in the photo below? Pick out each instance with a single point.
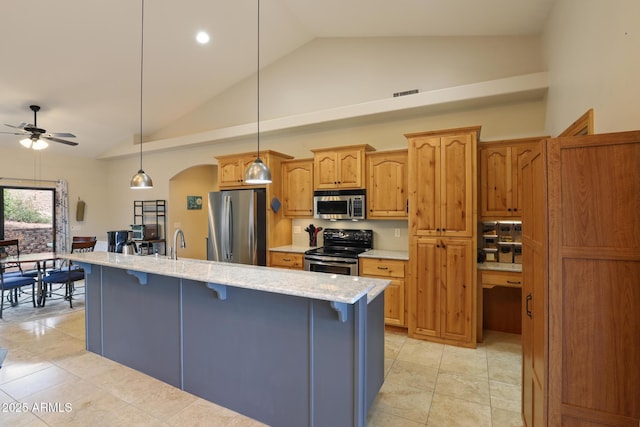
(426, 384)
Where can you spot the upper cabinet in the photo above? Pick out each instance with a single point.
(386, 185)
(232, 168)
(342, 167)
(441, 189)
(500, 181)
(297, 188)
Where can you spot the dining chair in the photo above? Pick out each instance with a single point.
(11, 278)
(70, 273)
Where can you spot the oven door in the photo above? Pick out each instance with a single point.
(333, 265)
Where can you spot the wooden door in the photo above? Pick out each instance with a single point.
(594, 280)
(424, 186)
(229, 172)
(534, 288)
(325, 169)
(495, 181)
(519, 153)
(426, 289)
(457, 185)
(457, 293)
(387, 184)
(350, 168)
(297, 188)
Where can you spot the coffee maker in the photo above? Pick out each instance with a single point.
(116, 240)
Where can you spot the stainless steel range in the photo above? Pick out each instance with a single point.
(339, 255)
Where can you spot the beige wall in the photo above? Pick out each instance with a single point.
(593, 56)
(329, 73)
(194, 181)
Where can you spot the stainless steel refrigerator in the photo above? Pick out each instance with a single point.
(238, 227)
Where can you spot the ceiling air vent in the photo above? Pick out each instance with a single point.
(406, 92)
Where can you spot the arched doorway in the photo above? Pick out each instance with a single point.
(188, 211)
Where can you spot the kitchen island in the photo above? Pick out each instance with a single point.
(287, 348)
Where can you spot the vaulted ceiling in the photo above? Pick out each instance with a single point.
(80, 60)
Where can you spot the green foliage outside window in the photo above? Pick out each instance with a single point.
(17, 210)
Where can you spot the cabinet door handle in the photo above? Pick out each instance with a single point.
(529, 313)
(443, 245)
(382, 268)
(513, 282)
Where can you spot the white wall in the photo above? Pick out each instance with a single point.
(592, 49)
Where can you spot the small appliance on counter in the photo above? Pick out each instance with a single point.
(116, 240)
(144, 231)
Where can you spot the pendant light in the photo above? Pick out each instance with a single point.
(141, 179)
(258, 172)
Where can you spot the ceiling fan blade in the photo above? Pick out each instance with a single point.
(20, 126)
(15, 133)
(63, 141)
(59, 135)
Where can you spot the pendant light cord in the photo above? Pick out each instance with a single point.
(141, 79)
(258, 81)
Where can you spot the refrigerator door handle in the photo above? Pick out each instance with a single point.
(252, 225)
(230, 233)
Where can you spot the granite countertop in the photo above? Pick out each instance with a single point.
(306, 284)
(378, 253)
(500, 266)
(292, 248)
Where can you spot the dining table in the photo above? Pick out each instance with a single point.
(40, 259)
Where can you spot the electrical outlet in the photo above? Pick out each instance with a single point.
(297, 229)
(76, 228)
(177, 225)
(397, 232)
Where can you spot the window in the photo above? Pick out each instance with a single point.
(28, 214)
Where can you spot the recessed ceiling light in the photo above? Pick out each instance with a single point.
(202, 37)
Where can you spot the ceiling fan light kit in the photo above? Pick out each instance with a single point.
(34, 143)
(141, 180)
(35, 137)
(258, 172)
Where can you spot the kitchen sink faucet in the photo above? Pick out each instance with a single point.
(174, 254)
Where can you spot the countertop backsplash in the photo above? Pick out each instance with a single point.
(384, 232)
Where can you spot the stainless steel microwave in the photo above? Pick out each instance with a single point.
(339, 204)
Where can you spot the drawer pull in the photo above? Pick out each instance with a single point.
(289, 259)
(513, 282)
(382, 268)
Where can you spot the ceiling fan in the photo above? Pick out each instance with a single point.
(35, 136)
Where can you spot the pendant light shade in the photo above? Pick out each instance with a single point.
(258, 172)
(141, 180)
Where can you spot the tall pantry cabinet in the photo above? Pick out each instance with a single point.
(581, 290)
(443, 231)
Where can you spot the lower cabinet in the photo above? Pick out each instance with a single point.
(394, 294)
(442, 292)
(291, 260)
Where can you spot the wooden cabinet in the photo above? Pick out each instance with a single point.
(297, 188)
(394, 294)
(291, 260)
(231, 170)
(443, 232)
(499, 167)
(581, 272)
(386, 185)
(342, 167)
(442, 190)
(443, 296)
